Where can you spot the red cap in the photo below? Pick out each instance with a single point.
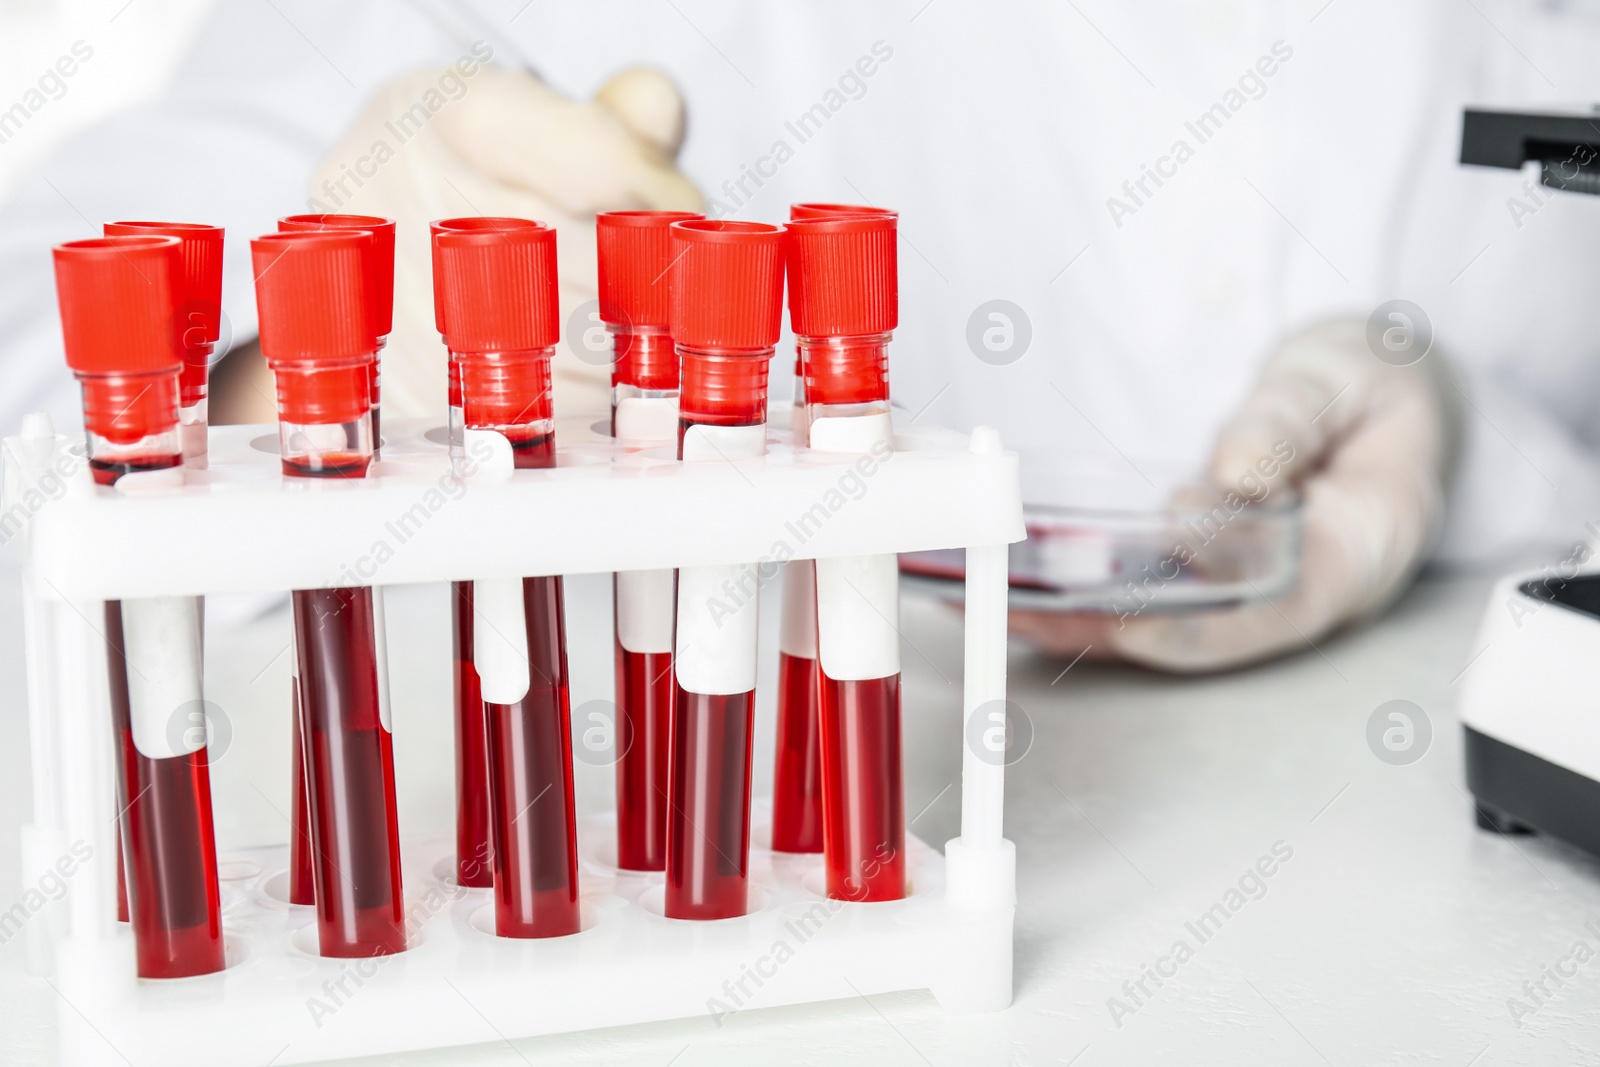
(378, 265)
(727, 284)
(499, 288)
(116, 303)
(843, 278)
(635, 253)
(465, 222)
(197, 293)
(310, 296)
(824, 211)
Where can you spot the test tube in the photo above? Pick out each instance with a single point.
(635, 258)
(474, 848)
(198, 319)
(197, 314)
(502, 323)
(727, 307)
(378, 279)
(843, 306)
(317, 336)
(116, 301)
(797, 775)
(378, 287)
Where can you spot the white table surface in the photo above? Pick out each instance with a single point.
(1395, 934)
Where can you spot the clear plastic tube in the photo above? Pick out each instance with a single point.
(644, 368)
(348, 750)
(166, 856)
(862, 786)
(532, 814)
(473, 848)
(708, 822)
(167, 839)
(797, 776)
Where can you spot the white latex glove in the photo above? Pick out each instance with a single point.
(508, 145)
(1372, 444)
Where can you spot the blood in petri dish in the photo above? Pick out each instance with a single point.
(535, 846)
(472, 786)
(107, 471)
(328, 465)
(797, 778)
(302, 882)
(863, 803)
(349, 775)
(644, 718)
(167, 838)
(708, 824)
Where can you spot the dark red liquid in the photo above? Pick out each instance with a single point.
(644, 718)
(122, 885)
(863, 805)
(107, 471)
(472, 786)
(797, 777)
(349, 775)
(530, 783)
(167, 838)
(708, 825)
(302, 883)
(327, 465)
(531, 449)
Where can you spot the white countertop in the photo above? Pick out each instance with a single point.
(1394, 932)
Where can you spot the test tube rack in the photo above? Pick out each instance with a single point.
(237, 527)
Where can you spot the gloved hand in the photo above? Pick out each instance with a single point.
(1373, 447)
(507, 145)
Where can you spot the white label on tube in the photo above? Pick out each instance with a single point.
(644, 610)
(853, 433)
(716, 644)
(858, 617)
(702, 443)
(381, 645)
(797, 633)
(717, 612)
(500, 639)
(647, 418)
(161, 641)
(492, 451)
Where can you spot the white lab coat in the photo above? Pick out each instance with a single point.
(1014, 139)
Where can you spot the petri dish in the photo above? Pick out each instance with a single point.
(1113, 535)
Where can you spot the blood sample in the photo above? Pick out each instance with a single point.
(797, 778)
(501, 325)
(727, 306)
(378, 280)
(843, 305)
(317, 337)
(198, 314)
(116, 299)
(473, 846)
(635, 259)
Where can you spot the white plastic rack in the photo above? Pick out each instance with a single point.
(606, 506)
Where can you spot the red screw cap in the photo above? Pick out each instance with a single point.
(198, 289)
(727, 284)
(843, 275)
(379, 263)
(499, 288)
(466, 222)
(635, 253)
(823, 211)
(115, 295)
(310, 296)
